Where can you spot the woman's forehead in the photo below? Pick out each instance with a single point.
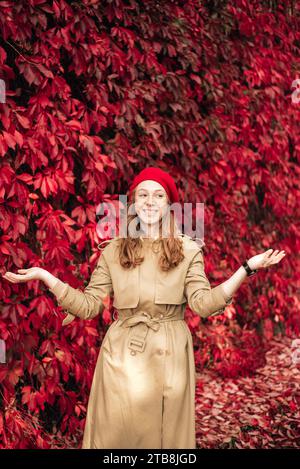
(150, 185)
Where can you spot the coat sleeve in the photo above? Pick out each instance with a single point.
(88, 303)
(201, 298)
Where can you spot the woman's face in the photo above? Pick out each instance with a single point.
(151, 201)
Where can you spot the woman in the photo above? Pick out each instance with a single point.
(143, 389)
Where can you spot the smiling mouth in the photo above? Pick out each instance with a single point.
(150, 211)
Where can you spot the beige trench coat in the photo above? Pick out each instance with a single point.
(143, 388)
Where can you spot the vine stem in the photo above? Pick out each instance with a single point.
(11, 45)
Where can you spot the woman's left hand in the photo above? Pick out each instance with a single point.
(264, 260)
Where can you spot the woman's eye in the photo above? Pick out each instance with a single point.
(159, 195)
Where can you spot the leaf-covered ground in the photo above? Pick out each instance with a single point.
(261, 411)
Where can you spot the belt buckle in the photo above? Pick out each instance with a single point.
(136, 344)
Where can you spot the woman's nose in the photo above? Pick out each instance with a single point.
(150, 205)
(149, 201)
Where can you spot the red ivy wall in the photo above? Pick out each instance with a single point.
(95, 91)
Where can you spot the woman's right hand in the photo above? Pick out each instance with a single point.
(33, 273)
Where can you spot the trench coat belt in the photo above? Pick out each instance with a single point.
(137, 339)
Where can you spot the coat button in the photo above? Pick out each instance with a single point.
(133, 352)
(161, 316)
(160, 351)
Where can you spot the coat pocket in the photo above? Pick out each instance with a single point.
(169, 287)
(124, 301)
(126, 287)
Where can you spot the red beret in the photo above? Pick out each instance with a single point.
(160, 176)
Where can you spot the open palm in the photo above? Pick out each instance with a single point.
(266, 259)
(33, 273)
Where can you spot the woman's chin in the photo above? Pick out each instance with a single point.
(149, 217)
